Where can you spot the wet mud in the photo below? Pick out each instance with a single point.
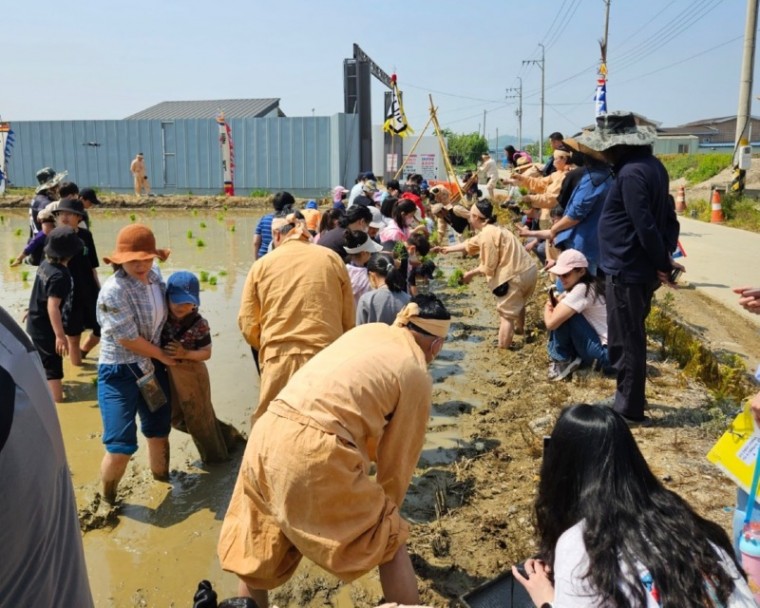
(470, 500)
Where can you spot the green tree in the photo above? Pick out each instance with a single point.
(465, 148)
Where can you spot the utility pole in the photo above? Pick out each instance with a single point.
(513, 92)
(542, 65)
(743, 150)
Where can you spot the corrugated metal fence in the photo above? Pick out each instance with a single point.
(306, 156)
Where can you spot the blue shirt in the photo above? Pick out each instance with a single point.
(638, 228)
(585, 206)
(264, 230)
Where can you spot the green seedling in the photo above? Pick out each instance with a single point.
(220, 217)
(201, 243)
(203, 224)
(194, 212)
(25, 275)
(189, 234)
(94, 381)
(18, 232)
(2, 219)
(11, 260)
(222, 273)
(232, 228)
(455, 279)
(152, 209)
(132, 217)
(203, 275)
(224, 208)
(212, 280)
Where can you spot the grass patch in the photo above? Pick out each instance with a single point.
(259, 193)
(738, 211)
(695, 168)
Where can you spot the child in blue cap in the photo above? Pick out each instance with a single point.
(186, 337)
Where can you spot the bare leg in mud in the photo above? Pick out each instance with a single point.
(158, 457)
(260, 596)
(112, 469)
(398, 580)
(506, 332)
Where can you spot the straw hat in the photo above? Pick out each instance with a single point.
(135, 242)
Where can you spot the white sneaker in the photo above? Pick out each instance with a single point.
(555, 367)
(566, 368)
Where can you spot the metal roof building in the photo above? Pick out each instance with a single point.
(180, 141)
(232, 108)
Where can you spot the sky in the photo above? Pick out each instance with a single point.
(673, 61)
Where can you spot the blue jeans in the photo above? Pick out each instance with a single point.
(120, 401)
(576, 338)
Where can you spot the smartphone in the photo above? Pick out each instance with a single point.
(674, 275)
(553, 296)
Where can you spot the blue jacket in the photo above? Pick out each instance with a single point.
(638, 228)
(585, 206)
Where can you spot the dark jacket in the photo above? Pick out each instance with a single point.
(638, 228)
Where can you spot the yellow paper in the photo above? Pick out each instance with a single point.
(735, 453)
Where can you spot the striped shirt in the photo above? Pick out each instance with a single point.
(264, 230)
(126, 311)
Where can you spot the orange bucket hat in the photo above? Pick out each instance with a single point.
(135, 242)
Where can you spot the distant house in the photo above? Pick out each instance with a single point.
(232, 108)
(713, 133)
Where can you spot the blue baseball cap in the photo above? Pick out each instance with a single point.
(183, 288)
(311, 205)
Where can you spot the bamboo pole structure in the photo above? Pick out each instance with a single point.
(414, 147)
(451, 175)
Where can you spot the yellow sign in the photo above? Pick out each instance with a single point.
(735, 453)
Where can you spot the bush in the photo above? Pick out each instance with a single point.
(695, 168)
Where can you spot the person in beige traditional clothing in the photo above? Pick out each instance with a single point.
(447, 213)
(508, 267)
(488, 170)
(304, 486)
(296, 300)
(137, 168)
(545, 190)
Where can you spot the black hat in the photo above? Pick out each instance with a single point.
(72, 205)
(63, 242)
(88, 194)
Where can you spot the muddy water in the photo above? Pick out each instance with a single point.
(163, 539)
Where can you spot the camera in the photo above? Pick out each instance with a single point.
(674, 275)
(553, 296)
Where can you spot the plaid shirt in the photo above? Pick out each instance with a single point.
(125, 312)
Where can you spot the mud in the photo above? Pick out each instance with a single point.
(470, 500)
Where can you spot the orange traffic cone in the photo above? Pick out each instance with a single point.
(717, 210)
(681, 201)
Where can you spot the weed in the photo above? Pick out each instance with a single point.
(200, 243)
(203, 224)
(259, 193)
(212, 280)
(132, 217)
(18, 232)
(203, 275)
(24, 275)
(189, 234)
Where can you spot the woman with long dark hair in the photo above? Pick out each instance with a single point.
(610, 534)
(400, 226)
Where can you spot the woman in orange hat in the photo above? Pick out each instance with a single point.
(132, 379)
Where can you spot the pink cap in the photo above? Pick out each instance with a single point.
(568, 260)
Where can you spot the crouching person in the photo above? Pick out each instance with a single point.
(577, 321)
(304, 486)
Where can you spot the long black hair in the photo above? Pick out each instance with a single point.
(330, 219)
(485, 208)
(592, 283)
(382, 264)
(593, 472)
(403, 206)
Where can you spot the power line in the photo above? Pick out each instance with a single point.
(429, 90)
(559, 12)
(664, 37)
(565, 23)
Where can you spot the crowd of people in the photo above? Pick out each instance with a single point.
(345, 394)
